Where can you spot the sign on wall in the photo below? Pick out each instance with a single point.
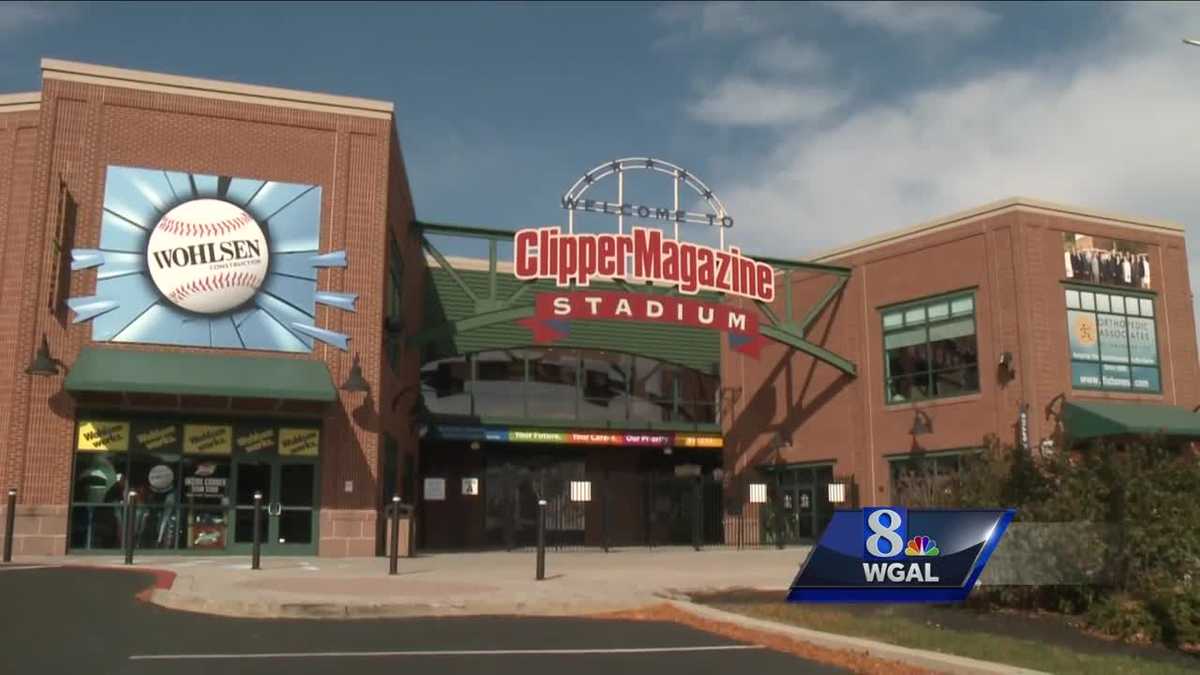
(1101, 260)
(208, 261)
(642, 254)
(1112, 341)
(103, 436)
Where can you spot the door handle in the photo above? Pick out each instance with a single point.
(274, 509)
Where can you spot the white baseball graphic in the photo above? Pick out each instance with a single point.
(207, 256)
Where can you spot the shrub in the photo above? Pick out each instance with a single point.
(1141, 495)
(1127, 618)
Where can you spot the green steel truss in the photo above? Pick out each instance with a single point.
(486, 300)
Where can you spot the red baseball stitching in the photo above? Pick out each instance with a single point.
(211, 283)
(189, 229)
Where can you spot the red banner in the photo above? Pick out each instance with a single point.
(553, 310)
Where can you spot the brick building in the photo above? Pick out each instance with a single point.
(338, 350)
(88, 162)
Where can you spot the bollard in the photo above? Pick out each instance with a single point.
(412, 542)
(129, 530)
(256, 551)
(10, 520)
(394, 562)
(541, 540)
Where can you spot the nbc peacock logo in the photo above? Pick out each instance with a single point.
(921, 546)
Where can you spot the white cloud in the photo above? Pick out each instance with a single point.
(17, 17)
(1106, 126)
(743, 101)
(913, 18)
(784, 55)
(713, 19)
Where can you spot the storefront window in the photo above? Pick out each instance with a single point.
(206, 500)
(98, 493)
(1113, 341)
(184, 473)
(931, 349)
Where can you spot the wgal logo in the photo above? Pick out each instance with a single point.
(885, 537)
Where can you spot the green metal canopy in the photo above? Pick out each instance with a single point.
(1093, 419)
(182, 373)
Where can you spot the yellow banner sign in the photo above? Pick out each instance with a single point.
(299, 442)
(698, 441)
(207, 439)
(97, 436)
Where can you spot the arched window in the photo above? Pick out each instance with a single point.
(575, 385)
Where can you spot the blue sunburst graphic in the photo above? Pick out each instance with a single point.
(128, 307)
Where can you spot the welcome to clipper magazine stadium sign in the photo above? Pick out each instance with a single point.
(641, 255)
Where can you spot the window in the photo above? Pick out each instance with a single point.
(927, 479)
(569, 384)
(1112, 338)
(930, 350)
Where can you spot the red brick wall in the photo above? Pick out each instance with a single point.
(1014, 261)
(18, 148)
(85, 127)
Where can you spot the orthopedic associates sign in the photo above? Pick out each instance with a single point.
(642, 255)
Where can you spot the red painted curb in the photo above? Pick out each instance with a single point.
(163, 579)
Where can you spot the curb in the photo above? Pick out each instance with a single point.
(935, 661)
(269, 609)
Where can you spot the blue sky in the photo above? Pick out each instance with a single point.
(817, 123)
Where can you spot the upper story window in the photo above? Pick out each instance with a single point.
(1113, 340)
(930, 350)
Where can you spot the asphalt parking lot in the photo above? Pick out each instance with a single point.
(66, 619)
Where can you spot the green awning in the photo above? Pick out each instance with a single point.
(185, 373)
(1093, 419)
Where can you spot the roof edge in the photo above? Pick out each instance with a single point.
(20, 101)
(993, 208)
(57, 69)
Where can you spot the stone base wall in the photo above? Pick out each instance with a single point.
(347, 533)
(37, 530)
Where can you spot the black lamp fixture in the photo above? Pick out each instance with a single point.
(43, 364)
(921, 424)
(355, 380)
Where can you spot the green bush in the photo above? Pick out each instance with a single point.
(1127, 618)
(1143, 494)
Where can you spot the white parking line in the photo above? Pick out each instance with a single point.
(461, 652)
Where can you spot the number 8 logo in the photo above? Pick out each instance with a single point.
(885, 533)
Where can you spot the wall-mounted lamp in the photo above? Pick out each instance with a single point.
(921, 424)
(837, 492)
(43, 364)
(1006, 360)
(355, 380)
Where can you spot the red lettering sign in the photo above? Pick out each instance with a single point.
(553, 310)
(641, 255)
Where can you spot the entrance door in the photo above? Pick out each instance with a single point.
(289, 489)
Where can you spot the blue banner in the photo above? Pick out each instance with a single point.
(893, 554)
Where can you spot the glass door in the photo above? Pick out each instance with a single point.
(289, 506)
(294, 525)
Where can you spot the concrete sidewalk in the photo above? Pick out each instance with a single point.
(458, 583)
